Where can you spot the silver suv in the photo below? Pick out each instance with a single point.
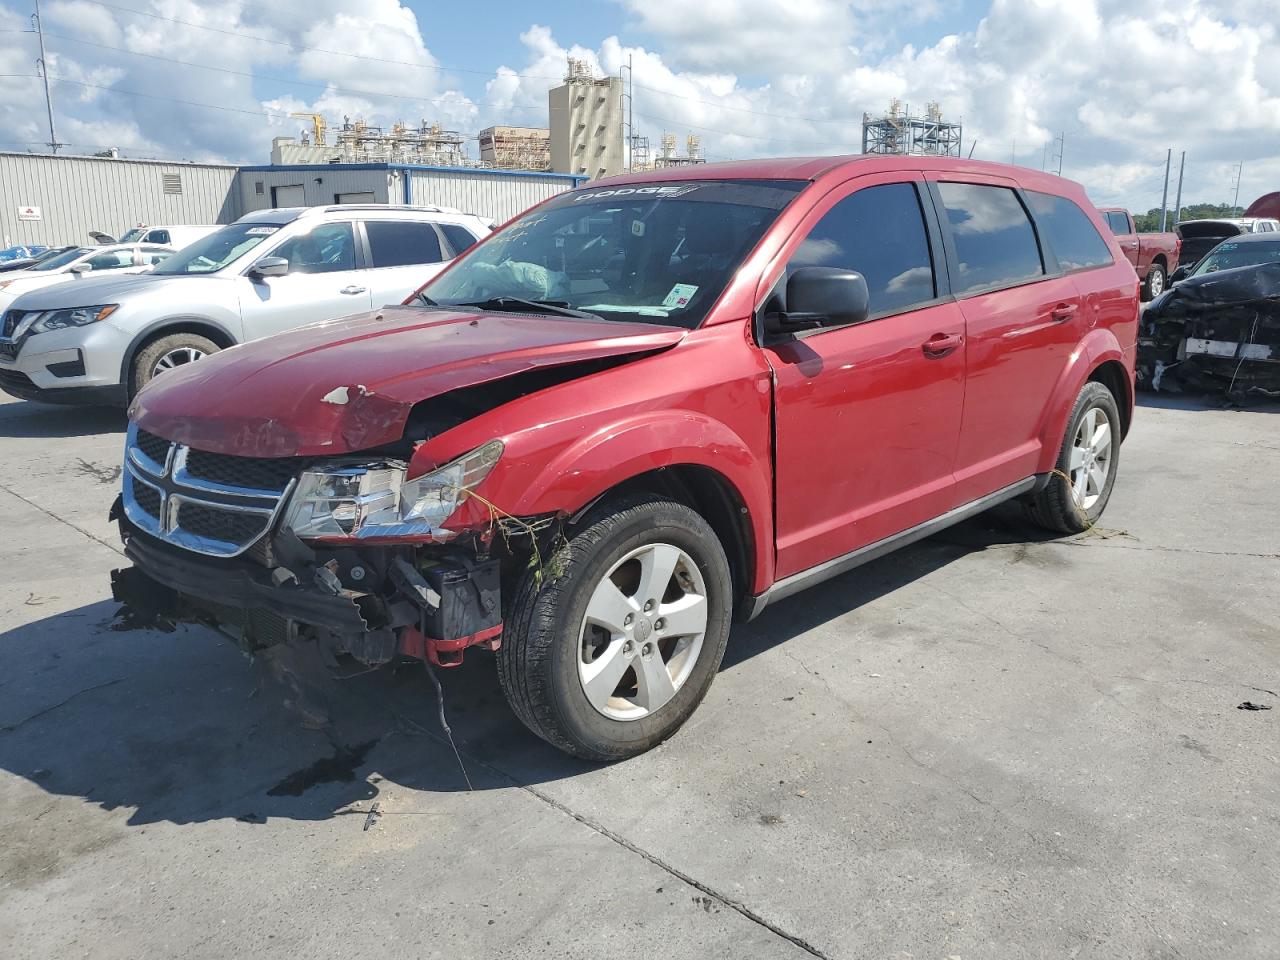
(102, 340)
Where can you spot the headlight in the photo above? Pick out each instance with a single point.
(70, 317)
(375, 499)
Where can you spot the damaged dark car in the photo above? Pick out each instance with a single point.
(1218, 330)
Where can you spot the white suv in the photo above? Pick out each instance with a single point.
(100, 341)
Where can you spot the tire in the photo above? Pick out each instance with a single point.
(550, 651)
(1155, 283)
(1061, 506)
(144, 367)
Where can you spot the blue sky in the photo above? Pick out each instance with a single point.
(190, 79)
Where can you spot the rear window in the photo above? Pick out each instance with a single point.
(402, 243)
(995, 242)
(459, 238)
(1070, 232)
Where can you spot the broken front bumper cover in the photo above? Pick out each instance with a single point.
(431, 608)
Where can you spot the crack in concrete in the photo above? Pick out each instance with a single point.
(10, 727)
(49, 513)
(735, 905)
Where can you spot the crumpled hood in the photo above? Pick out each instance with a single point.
(347, 385)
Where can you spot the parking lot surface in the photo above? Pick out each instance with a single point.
(987, 745)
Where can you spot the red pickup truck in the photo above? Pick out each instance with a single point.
(637, 411)
(1153, 255)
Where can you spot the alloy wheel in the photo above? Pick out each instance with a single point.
(1090, 463)
(642, 632)
(1156, 282)
(178, 357)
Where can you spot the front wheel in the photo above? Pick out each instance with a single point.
(1080, 486)
(167, 353)
(613, 643)
(1154, 285)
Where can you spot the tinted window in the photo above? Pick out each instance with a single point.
(1118, 222)
(400, 243)
(1069, 231)
(111, 260)
(880, 232)
(328, 248)
(995, 243)
(158, 236)
(459, 237)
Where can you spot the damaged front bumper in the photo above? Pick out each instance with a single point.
(1219, 333)
(372, 603)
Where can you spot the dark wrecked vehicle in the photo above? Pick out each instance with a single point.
(1200, 236)
(1218, 330)
(637, 411)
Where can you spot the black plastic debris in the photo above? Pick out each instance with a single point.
(1250, 705)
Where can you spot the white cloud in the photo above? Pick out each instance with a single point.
(752, 77)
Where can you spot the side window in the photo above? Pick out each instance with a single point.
(111, 260)
(151, 257)
(328, 248)
(878, 231)
(1070, 232)
(1119, 223)
(402, 243)
(157, 236)
(995, 242)
(459, 238)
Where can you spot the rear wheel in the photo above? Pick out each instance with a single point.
(1154, 285)
(1080, 486)
(167, 353)
(614, 646)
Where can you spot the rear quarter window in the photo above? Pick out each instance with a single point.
(1069, 231)
(460, 238)
(994, 241)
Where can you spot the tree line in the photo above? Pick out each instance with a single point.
(1149, 222)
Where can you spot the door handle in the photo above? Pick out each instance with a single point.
(941, 344)
(1063, 312)
(352, 290)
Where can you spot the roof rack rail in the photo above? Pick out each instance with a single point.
(414, 208)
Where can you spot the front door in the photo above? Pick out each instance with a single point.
(324, 282)
(868, 415)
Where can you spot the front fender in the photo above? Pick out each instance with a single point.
(604, 458)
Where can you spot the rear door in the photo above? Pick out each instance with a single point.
(1122, 227)
(403, 255)
(1023, 319)
(867, 415)
(325, 281)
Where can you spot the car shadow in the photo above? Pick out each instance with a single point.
(26, 418)
(1201, 402)
(180, 727)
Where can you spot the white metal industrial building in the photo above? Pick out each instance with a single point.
(55, 200)
(496, 194)
(46, 199)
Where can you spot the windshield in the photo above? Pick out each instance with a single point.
(134, 234)
(216, 250)
(1232, 253)
(660, 253)
(62, 259)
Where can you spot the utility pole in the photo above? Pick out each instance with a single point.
(629, 96)
(1239, 176)
(1061, 141)
(38, 22)
(1164, 197)
(1177, 204)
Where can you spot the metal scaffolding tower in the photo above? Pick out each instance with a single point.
(898, 132)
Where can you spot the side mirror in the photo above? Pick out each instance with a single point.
(81, 268)
(821, 297)
(1179, 274)
(270, 267)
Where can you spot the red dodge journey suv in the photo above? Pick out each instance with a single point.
(637, 411)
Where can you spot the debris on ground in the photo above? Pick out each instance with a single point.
(372, 818)
(1250, 705)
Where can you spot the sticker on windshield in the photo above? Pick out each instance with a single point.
(637, 228)
(679, 296)
(260, 231)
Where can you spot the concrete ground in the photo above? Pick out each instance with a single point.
(989, 745)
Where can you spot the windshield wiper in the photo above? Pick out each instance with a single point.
(517, 305)
(426, 301)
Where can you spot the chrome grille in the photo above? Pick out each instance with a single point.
(208, 503)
